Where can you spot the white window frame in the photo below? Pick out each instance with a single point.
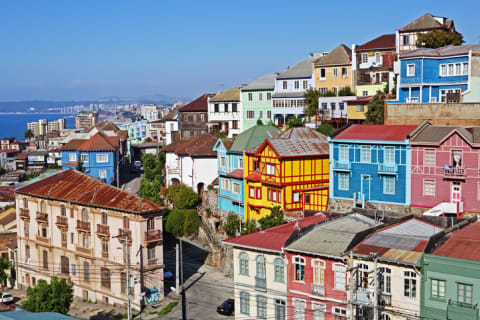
(251, 192)
(102, 174)
(225, 184)
(250, 96)
(429, 187)
(305, 84)
(389, 185)
(438, 293)
(240, 163)
(465, 68)
(243, 263)
(378, 58)
(365, 93)
(299, 306)
(234, 186)
(318, 271)
(324, 72)
(365, 154)
(296, 84)
(244, 302)
(389, 157)
(296, 196)
(386, 277)
(364, 57)
(343, 181)
(343, 151)
(279, 270)
(72, 156)
(83, 156)
(335, 72)
(285, 85)
(429, 161)
(341, 312)
(319, 310)
(298, 260)
(407, 276)
(465, 295)
(101, 157)
(270, 169)
(443, 70)
(339, 270)
(223, 162)
(410, 72)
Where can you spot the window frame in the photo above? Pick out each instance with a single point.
(389, 185)
(279, 270)
(432, 187)
(234, 184)
(343, 181)
(244, 302)
(410, 72)
(338, 269)
(437, 292)
(365, 154)
(409, 277)
(243, 263)
(298, 266)
(99, 157)
(465, 285)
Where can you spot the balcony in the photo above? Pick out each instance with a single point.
(384, 299)
(339, 165)
(62, 221)
(152, 262)
(43, 239)
(103, 230)
(318, 289)
(83, 226)
(24, 213)
(260, 283)
(454, 172)
(122, 232)
(87, 251)
(459, 310)
(387, 168)
(153, 235)
(42, 216)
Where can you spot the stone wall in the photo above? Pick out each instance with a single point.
(451, 114)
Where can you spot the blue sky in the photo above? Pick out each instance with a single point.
(89, 49)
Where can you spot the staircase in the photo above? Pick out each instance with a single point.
(370, 206)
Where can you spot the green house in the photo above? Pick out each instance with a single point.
(450, 287)
(257, 101)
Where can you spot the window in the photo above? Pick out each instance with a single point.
(378, 58)
(389, 155)
(322, 74)
(45, 259)
(365, 93)
(433, 99)
(250, 96)
(74, 269)
(85, 240)
(340, 276)
(105, 245)
(299, 267)
(365, 154)
(104, 218)
(43, 207)
(364, 57)
(410, 70)
(244, 303)
(260, 96)
(318, 272)
(429, 158)
(84, 157)
(429, 188)
(260, 114)
(102, 157)
(305, 84)
(63, 211)
(464, 293)
(456, 158)
(102, 174)
(216, 108)
(261, 307)
(243, 263)
(323, 91)
(362, 275)
(343, 181)
(409, 284)
(274, 196)
(340, 313)
(123, 282)
(72, 156)
(389, 185)
(150, 224)
(458, 69)
(406, 40)
(63, 235)
(105, 277)
(279, 270)
(296, 197)
(151, 253)
(240, 163)
(202, 117)
(465, 68)
(235, 107)
(225, 107)
(72, 237)
(280, 309)
(235, 187)
(269, 96)
(297, 84)
(335, 72)
(319, 310)
(360, 108)
(84, 214)
(223, 162)
(299, 309)
(385, 316)
(341, 106)
(64, 265)
(258, 192)
(86, 272)
(43, 230)
(438, 289)
(27, 252)
(284, 84)
(344, 72)
(343, 152)
(251, 192)
(332, 105)
(260, 267)
(335, 90)
(307, 198)
(250, 114)
(385, 280)
(25, 203)
(225, 184)
(270, 169)
(451, 70)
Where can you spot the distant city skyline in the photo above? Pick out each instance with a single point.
(63, 50)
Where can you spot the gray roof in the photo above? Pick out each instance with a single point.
(428, 22)
(303, 69)
(232, 94)
(300, 141)
(288, 95)
(264, 83)
(333, 237)
(447, 51)
(435, 134)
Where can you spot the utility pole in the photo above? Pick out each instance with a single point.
(375, 288)
(177, 270)
(184, 302)
(351, 284)
(127, 256)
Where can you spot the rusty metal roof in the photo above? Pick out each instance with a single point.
(76, 187)
(463, 244)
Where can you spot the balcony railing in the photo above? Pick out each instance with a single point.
(122, 232)
(460, 310)
(260, 283)
(339, 165)
(387, 168)
(384, 299)
(24, 213)
(42, 216)
(454, 172)
(87, 251)
(83, 225)
(103, 229)
(153, 235)
(152, 262)
(43, 239)
(318, 289)
(62, 221)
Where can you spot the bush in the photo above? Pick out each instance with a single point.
(192, 222)
(175, 222)
(54, 297)
(345, 91)
(274, 219)
(295, 122)
(249, 227)
(232, 225)
(183, 197)
(326, 129)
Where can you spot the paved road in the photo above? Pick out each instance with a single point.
(133, 184)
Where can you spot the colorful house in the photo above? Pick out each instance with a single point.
(317, 267)
(334, 71)
(445, 167)
(370, 164)
(290, 171)
(357, 109)
(225, 112)
(257, 101)
(450, 287)
(392, 253)
(436, 75)
(259, 270)
(230, 166)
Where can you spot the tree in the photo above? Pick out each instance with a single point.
(175, 222)
(2, 171)
(329, 93)
(232, 225)
(311, 97)
(192, 222)
(80, 167)
(4, 264)
(221, 135)
(147, 139)
(29, 134)
(183, 197)
(295, 122)
(375, 113)
(274, 219)
(259, 122)
(326, 129)
(249, 227)
(345, 91)
(439, 38)
(54, 297)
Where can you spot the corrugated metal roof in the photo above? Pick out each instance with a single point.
(463, 244)
(303, 69)
(438, 133)
(198, 105)
(253, 137)
(376, 132)
(385, 41)
(267, 82)
(447, 51)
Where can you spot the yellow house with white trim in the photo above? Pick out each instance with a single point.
(334, 71)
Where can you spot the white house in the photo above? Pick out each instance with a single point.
(225, 112)
(171, 126)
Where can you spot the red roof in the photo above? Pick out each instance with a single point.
(98, 142)
(254, 176)
(386, 41)
(378, 132)
(73, 163)
(200, 146)
(199, 104)
(22, 156)
(463, 244)
(9, 150)
(237, 174)
(73, 186)
(273, 239)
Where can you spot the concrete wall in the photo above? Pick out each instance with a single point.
(455, 114)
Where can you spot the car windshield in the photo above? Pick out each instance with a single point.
(7, 295)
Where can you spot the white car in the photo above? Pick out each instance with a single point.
(6, 298)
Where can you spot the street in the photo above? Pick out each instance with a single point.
(131, 181)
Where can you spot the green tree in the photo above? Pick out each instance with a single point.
(2, 171)
(175, 222)
(326, 129)
(346, 91)
(295, 122)
(439, 38)
(249, 227)
(192, 222)
(275, 218)
(221, 135)
(4, 264)
(147, 139)
(80, 167)
(29, 134)
(150, 190)
(54, 297)
(375, 113)
(259, 122)
(232, 224)
(183, 197)
(329, 93)
(311, 97)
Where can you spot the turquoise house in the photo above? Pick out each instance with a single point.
(230, 166)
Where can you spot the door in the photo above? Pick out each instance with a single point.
(365, 187)
(456, 192)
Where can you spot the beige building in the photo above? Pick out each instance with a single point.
(86, 121)
(73, 226)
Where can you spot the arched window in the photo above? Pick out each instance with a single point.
(63, 211)
(260, 267)
(279, 270)
(243, 263)
(43, 207)
(84, 214)
(25, 203)
(385, 316)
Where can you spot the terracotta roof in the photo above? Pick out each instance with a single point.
(339, 56)
(105, 126)
(197, 105)
(7, 194)
(255, 176)
(227, 143)
(215, 182)
(172, 146)
(273, 239)
(73, 163)
(385, 41)
(22, 156)
(9, 150)
(200, 146)
(376, 132)
(428, 22)
(237, 174)
(76, 187)
(463, 244)
(232, 94)
(98, 142)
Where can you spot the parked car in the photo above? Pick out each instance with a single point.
(227, 307)
(6, 298)
(138, 164)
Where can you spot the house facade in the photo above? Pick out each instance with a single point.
(370, 164)
(171, 126)
(73, 226)
(193, 118)
(445, 166)
(256, 101)
(333, 71)
(290, 171)
(225, 112)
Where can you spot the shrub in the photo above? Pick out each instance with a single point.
(232, 225)
(249, 227)
(192, 222)
(274, 219)
(54, 297)
(326, 129)
(175, 222)
(183, 197)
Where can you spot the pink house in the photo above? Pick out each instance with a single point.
(445, 167)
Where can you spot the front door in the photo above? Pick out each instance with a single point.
(365, 187)
(456, 192)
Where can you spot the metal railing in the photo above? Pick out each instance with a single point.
(153, 235)
(339, 165)
(83, 225)
(454, 172)
(387, 168)
(260, 283)
(318, 289)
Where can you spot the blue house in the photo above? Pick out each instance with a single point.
(370, 163)
(435, 75)
(99, 155)
(230, 166)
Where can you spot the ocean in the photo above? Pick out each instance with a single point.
(15, 125)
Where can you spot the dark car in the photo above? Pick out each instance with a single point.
(227, 307)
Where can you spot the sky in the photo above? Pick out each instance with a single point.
(75, 50)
